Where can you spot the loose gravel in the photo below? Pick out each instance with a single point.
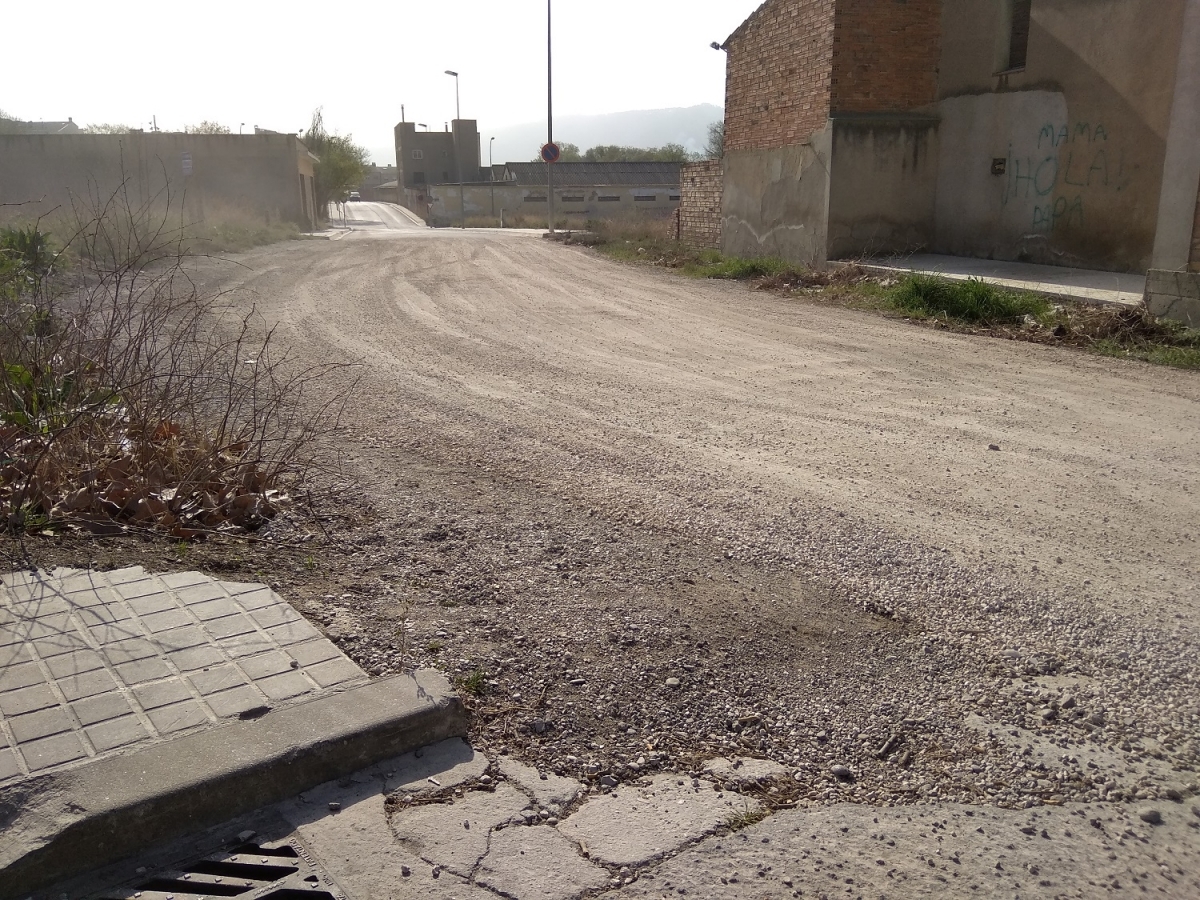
(575, 487)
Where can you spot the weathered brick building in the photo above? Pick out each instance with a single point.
(1058, 131)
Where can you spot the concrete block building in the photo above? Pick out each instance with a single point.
(213, 177)
(1054, 131)
(582, 191)
(437, 157)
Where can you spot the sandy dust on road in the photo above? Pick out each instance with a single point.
(670, 519)
(1095, 489)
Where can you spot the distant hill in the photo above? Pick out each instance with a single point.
(637, 128)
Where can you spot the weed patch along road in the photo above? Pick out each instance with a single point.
(648, 520)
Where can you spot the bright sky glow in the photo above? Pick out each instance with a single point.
(269, 63)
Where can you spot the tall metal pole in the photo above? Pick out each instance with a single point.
(549, 115)
(492, 175)
(462, 200)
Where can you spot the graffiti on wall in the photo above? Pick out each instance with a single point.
(1071, 162)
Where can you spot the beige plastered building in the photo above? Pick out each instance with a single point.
(1052, 131)
(266, 177)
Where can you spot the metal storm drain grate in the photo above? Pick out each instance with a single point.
(278, 871)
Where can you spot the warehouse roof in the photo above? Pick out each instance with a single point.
(584, 174)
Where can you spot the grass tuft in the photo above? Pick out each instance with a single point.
(745, 817)
(474, 684)
(968, 301)
(734, 267)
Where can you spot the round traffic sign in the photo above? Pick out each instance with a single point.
(551, 153)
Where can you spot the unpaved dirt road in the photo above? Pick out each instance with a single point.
(650, 520)
(1095, 490)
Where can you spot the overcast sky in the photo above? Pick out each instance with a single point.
(269, 63)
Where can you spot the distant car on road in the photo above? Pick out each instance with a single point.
(353, 196)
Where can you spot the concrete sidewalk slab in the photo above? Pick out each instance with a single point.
(96, 663)
(135, 706)
(87, 816)
(1084, 285)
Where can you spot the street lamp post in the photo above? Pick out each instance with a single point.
(549, 119)
(492, 175)
(462, 202)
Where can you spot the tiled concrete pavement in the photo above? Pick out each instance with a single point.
(92, 663)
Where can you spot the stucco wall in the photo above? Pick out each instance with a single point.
(882, 185)
(257, 174)
(1194, 263)
(1174, 295)
(700, 203)
(776, 202)
(1177, 243)
(516, 200)
(1081, 131)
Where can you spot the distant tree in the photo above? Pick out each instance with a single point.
(207, 127)
(340, 166)
(568, 153)
(715, 148)
(108, 128)
(615, 153)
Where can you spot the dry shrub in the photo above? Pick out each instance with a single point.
(642, 229)
(125, 401)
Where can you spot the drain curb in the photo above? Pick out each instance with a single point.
(66, 824)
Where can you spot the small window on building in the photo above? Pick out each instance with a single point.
(572, 198)
(673, 197)
(1018, 34)
(646, 198)
(535, 199)
(610, 198)
(418, 177)
(418, 154)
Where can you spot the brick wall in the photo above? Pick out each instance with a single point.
(700, 204)
(778, 75)
(885, 55)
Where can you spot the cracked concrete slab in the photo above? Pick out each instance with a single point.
(635, 825)
(948, 850)
(744, 771)
(537, 863)
(455, 835)
(443, 765)
(357, 848)
(546, 788)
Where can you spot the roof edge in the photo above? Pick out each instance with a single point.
(737, 32)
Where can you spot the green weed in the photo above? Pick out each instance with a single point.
(968, 301)
(1178, 357)
(474, 684)
(713, 265)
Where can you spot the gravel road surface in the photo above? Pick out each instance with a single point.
(652, 520)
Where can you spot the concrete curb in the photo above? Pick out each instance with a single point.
(68, 823)
(1053, 291)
